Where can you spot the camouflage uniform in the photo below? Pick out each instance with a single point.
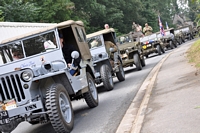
(147, 30)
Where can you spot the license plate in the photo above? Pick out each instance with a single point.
(4, 117)
(144, 47)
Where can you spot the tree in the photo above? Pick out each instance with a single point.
(1, 16)
(54, 11)
(17, 11)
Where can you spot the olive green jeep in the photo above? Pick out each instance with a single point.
(130, 51)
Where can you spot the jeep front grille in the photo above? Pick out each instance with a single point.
(122, 51)
(10, 87)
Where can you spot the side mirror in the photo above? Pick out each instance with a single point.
(74, 54)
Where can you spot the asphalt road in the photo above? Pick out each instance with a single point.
(112, 105)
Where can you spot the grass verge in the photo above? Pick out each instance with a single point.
(193, 54)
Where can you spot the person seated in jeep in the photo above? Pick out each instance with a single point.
(67, 50)
(111, 48)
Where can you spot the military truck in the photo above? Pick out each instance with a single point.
(169, 39)
(151, 44)
(38, 86)
(107, 63)
(131, 51)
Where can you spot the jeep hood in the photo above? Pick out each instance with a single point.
(125, 45)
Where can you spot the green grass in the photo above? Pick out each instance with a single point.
(193, 54)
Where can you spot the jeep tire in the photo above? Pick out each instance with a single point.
(163, 50)
(180, 41)
(143, 61)
(137, 62)
(106, 77)
(91, 97)
(158, 48)
(120, 74)
(171, 44)
(59, 108)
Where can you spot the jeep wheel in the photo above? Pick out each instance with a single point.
(180, 41)
(158, 49)
(175, 45)
(171, 45)
(163, 50)
(137, 62)
(59, 108)
(120, 74)
(91, 97)
(143, 61)
(106, 77)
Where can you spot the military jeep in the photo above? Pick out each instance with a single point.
(187, 32)
(169, 39)
(38, 86)
(107, 64)
(151, 44)
(131, 51)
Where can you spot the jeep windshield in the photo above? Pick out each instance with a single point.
(26, 47)
(94, 42)
(124, 39)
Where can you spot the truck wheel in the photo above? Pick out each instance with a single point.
(120, 75)
(106, 77)
(137, 62)
(91, 97)
(143, 61)
(158, 49)
(171, 45)
(59, 108)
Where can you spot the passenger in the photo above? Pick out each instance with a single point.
(94, 43)
(17, 54)
(110, 49)
(134, 27)
(106, 26)
(139, 28)
(147, 29)
(67, 50)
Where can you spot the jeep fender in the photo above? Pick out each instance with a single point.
(130, 56)
(89, 69)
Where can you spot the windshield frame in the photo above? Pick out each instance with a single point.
(21, 41)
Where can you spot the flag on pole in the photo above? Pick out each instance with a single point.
(162, 31)
(167, 26)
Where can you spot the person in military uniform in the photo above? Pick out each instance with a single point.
(147, 29)
(110, 49)
(134, 27)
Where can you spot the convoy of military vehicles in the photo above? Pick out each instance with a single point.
(39, 86)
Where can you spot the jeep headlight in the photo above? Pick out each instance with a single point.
(26, 76)
(100, 56)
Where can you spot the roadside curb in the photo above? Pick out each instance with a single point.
(134, 116)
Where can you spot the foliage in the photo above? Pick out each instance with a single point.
(193, 54)
(1, 16)
(119, 14)
(19, 11)
(53, 11)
